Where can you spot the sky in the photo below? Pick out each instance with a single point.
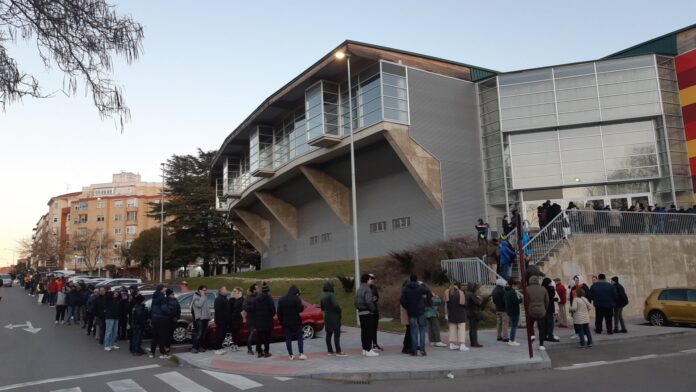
(207, 64)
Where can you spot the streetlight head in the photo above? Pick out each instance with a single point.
(340, 55)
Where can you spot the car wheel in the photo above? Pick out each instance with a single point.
(228, 341)
(180, 333)
(308, 331)
(657, 318)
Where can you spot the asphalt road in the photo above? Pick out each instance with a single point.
(62, 358)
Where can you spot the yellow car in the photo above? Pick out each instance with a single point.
(671, 305)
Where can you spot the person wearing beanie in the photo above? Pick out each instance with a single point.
(621, 302)
(502, 320)
(263, 309)
(289, 308)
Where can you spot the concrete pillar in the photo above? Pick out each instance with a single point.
(260, 226)
(250, 236)
(424, 168)
(334, 193)
(284, 212)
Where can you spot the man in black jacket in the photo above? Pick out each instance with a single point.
(99, 311)
(222, 317)
(111, 315)
(263, 310)
(603, 296)
(621, 302)
(289, 309)
(174, 315)
(138, 320)
(249, 309)
(502, 320)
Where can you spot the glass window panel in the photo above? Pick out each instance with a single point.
(393, 80)
(526, 100)
(631, 111)
(574, 70)
(574, 133)
(400, 93)
(625, 63)
(529, 111)
(528, 88)
(572, 177)
(630, 99)
(397, 115)
(576, 93)
(393, 69)
(635, 78)
(529, 123)
(580, 81)
(577, 106)
(582, 155)
(578, 117)
(524, 77)
(394, 103)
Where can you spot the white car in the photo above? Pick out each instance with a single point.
(84, 278)
(118, 283)
(6, 280)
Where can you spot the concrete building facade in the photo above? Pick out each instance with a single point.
(439, 144)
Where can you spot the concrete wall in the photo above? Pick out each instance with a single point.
(642, 263)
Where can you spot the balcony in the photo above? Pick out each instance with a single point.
(261, 152)
(322, 108)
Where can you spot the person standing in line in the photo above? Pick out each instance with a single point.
(413, 300)
(580, 310)
(562, 300)
(366, 313)
(550, 310)
(513, 299)
(125, 312)
(222, 318)
(621, 302)
(60, 307)
(111, 316)
(100, 313)
(174, 315)
(456, 317)
(603, 296)
(473, 307)
(432, 319)
(250, 316)
(159, 314)
(72, 300)
(289, 308)
(201, 316)
(90, 308)
(236, 309)
(332, 319)
(403, 316)
(538, 303)
(52, 292)
(138, 320)
(263, 310)
(502, 321)
(578, 283)
(375, 300)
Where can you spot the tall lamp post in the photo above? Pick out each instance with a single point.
(101, 238)
(340, 56)
(161, 226)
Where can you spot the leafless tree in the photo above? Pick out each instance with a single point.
(87, 244)
(79, 37)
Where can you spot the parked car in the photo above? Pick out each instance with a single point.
(671, 305)
(83, 278)
(184, 328)
(175, 287)
(95, 281)
(312, 322)
(118, 283)
(6, 280)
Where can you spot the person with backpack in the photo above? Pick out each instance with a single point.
(367, 314)
(248, 306)
(138, 322)
(263, 309)
(289, 308)
(201, 317)
(332, 319)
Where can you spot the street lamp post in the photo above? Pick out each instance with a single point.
(354, 207)
(161, 226)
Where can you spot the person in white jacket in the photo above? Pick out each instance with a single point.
(580, 309)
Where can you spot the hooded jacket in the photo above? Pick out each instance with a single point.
(263, 310)
(159, 309)
(538, 298)
(289, 308)
(413, 298)
(621, 297)
(139, 316)
(72, 298)
(330, 306)
(113, 307)
(498, 295)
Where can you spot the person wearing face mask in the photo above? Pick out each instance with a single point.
(236, 309)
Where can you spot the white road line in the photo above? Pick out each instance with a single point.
(642, 357)
(283, 378)
(235, 380)
(690, 351)
(582, 365)
(180, 383)
(630, 359)
(76, 377)
(126, 385)
(76, 389)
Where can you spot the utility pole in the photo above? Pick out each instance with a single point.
(161, 226)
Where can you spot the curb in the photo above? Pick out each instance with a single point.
(628, 339)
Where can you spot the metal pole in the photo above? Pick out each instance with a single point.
(234, 256)
(523, 280)
(353, 187)
(99, 255)
(161, 226)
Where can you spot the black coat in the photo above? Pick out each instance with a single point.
(236, 308)
(249, 309)
(174, 308)
(113, 308)
(263, 311)
(289, 308)
(498, 296)
(139, 316)
(621, 297)
(222, 310)
(100, 305)
(72, 298)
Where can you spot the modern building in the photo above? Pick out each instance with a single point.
(439, 144)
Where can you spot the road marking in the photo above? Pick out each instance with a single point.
(283, 378)
(29, 327)
(181, 383)
(235, 380)
(76, 389)
(76, 377)
(126, 385)
(641, 357)
(630, 359)
(690, 351)
(582, 365)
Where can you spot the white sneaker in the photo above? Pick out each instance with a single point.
(115, 347)
(463, 348)
(513, 343)
(556, 337)
(107, 348)
(542, 348)
(453, 346)
(291, 357)
(371, 353)
(533, 338)
(56, 322)
(165, 356)
(151, 355)
(219, 352)
(440, 344)
(574, 336)
(303, 357)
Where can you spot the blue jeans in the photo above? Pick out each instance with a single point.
(514, 320)
(585, 334)
(110, 332)
(136, 341)
(69, 313)
(297, 332)
(417, 325)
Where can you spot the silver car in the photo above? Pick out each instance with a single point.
(6, 280)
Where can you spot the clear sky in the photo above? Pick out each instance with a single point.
(208, 64)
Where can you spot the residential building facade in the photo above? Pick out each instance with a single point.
(439, 144)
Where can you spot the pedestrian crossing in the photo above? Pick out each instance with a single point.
(180, 383)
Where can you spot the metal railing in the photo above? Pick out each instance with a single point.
(469, 269)
(546, 239)
(629, 222)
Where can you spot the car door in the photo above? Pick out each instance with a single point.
(691, 297)
(674, 303)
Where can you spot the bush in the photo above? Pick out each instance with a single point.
(347, 282)
(404, 260)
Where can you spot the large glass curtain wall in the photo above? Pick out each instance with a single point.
(584, 155)
(261, 149)
(580, 93)
(238, 175)
(322, 108)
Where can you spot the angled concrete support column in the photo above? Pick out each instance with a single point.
(424, 168)
(245, 231)
(335, 194)
(261, 227)
(283, 211)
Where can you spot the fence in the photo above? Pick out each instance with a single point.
(470, 269)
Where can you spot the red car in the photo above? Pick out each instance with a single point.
(312, 322)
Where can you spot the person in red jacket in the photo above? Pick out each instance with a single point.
(562, 314)
(52, 292)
